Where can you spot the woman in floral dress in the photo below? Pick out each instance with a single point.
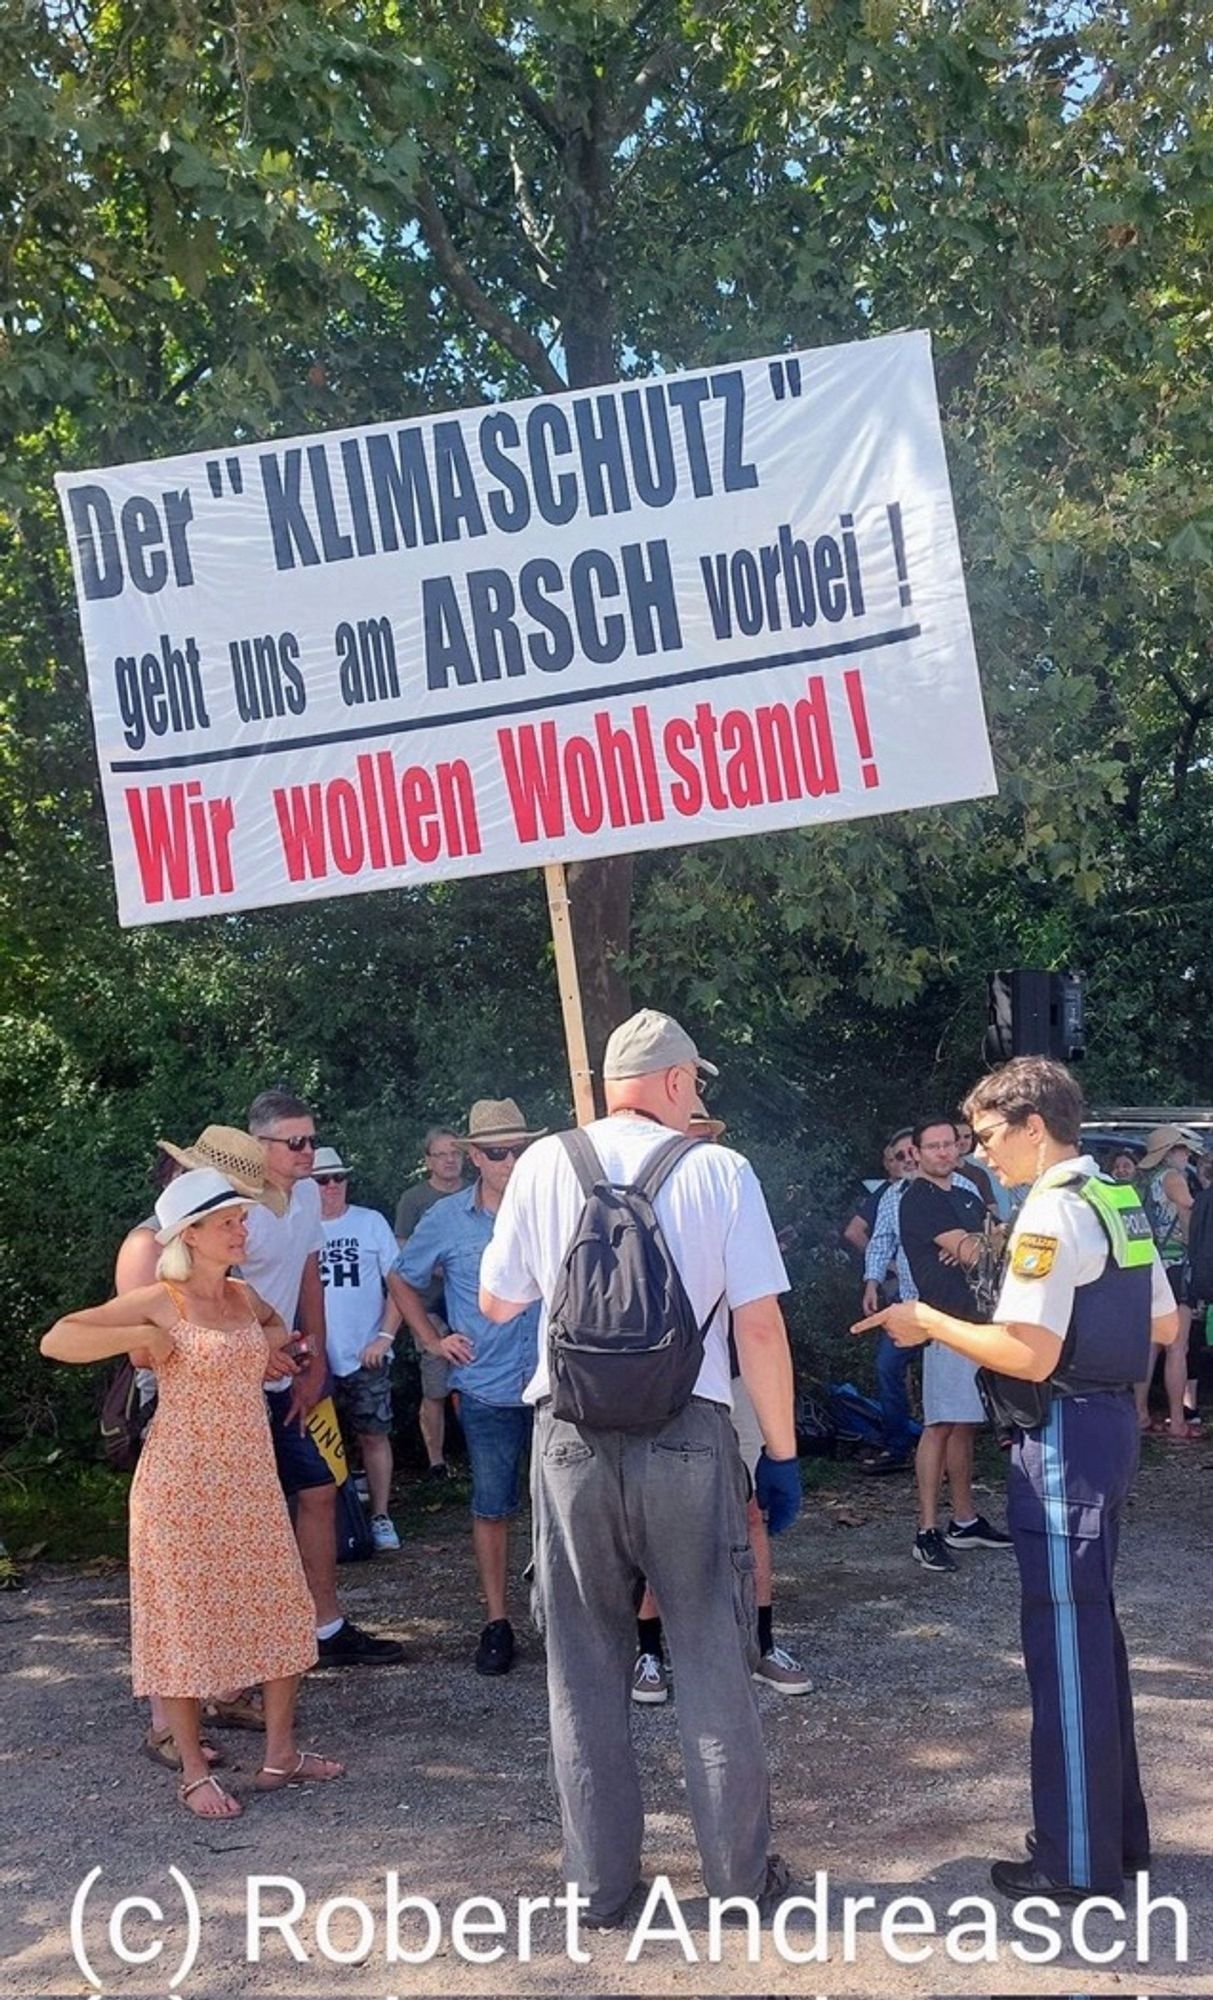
(218, 1595)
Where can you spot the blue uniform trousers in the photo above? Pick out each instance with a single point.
(1068, 1483)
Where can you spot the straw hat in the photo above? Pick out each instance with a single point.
(234, 1154)
(191, 1197)
(703, 1125)
(496, 1121)
(1161, 1141)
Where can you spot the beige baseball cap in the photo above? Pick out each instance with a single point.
(649, 1042)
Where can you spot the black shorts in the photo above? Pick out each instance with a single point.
(300, 1464)
(1177, 1278)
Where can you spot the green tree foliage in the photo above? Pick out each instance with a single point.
(219, 223)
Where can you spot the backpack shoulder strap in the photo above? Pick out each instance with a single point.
(586, 1164)
(660, 1167)
(664, 1161)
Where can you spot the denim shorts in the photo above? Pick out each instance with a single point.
(497, 1436)
(300, 1463)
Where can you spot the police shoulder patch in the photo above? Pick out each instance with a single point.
(1032, 1256)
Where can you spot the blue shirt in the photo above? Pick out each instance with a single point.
(453, 1235)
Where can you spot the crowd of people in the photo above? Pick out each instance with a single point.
(605, 1304)
(935, 1226)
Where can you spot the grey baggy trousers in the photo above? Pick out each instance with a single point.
(669, 1505)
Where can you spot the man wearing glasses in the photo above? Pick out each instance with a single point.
(360, 1324)
(282, 1263)
(490, 1364)
(667, 1500)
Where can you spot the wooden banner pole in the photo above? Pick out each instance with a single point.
(570, 992)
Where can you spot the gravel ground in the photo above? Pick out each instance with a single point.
(901, 1774)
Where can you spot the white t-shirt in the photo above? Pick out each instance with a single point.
(359, 1250)
(1058, 1243)
(278, 1249)
(712, 1214)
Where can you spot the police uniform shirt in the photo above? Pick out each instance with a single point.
(1059, 1243)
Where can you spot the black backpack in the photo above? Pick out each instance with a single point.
(124, 1419)
(1200, 1248)
(624, 1346)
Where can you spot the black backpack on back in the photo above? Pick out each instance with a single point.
(1200, 1248)
(624, 1346)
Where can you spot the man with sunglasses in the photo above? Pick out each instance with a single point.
(360, 1322)
(282, 1263)
(490, 1363)
(897, 1161)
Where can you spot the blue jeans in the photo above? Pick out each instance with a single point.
(891, 1365)
(497, 1436)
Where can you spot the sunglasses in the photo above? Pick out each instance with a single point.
(303, 1144)
(903, 1157)
(330, 1180)
(984, 1136)
(499, 1153)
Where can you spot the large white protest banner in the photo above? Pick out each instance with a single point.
(703, 605)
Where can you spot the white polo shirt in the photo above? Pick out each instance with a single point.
(278, 1249)
(1057, 1244)
(711, 1210)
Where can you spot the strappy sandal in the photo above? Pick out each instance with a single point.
(159, 1746)
(186, 1792)
(270, 1779)
(242, 1713)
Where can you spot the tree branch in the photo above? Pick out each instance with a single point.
(1195, 708)
(460, 281)
(536, 106)
(529, 221)
(656, 69)
(184, 383)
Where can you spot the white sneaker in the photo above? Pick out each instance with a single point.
(383, 1534)
(650, 1679)
(780, 1671)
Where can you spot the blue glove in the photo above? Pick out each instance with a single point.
(777, 1491)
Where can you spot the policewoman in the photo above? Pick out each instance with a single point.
(1083, 1296)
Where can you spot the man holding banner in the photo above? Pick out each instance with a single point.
(664, 1500)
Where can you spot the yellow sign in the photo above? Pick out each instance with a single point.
(325, 1433)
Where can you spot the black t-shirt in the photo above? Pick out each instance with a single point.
(928, 1211)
